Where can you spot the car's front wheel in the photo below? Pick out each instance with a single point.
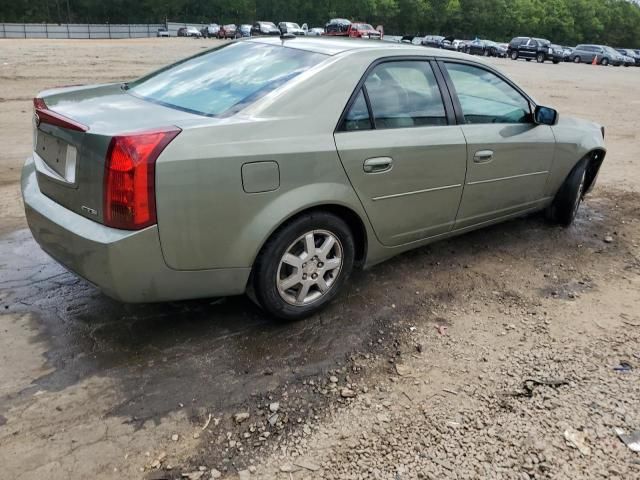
(304, 265)
(565, 205)
(540, 57)
(604, 62)
(576, 59)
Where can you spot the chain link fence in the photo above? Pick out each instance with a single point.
(80, 30)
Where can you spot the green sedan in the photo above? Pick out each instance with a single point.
(276, 166)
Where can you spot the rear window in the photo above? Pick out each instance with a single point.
(225, 80)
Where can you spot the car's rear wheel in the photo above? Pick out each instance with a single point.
(576, 59)
(565, 205)
(540, 57)
(304, 265)
(514, 55)
(555, 62)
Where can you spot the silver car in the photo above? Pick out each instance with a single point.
(277, 166)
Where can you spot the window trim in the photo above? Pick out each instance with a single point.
(440, 81)
(454, 94)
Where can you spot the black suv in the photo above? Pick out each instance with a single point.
(531, 48)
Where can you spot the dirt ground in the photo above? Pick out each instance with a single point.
(511, 352)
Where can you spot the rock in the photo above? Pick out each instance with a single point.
(274, 407)
(608, 239)
(333, 379)
(215, 474)
(244, 475)
(289, 468)
(175, 437)
(347, 393)
(403, 370)
(241, 417)
(577, 440)
(273, 419)
(252, 469)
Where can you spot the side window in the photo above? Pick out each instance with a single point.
(486, 98)
(358, 115)
(404, 94)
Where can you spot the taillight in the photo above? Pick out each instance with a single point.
(44, 115)
(129, 182)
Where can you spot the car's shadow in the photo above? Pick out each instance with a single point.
(219, 352)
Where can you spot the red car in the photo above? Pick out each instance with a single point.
(345, 28)
(227, 31)
(364, 30)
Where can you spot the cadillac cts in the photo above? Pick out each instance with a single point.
(276, 166)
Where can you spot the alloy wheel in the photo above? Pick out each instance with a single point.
(309, 267)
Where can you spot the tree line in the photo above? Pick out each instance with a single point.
(612, 22)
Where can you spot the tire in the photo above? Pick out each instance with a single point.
(514, 55)
(540, 57)
(577, 59)
(485, 52)
(528, 59)
(604, 62)
(290, 301)
(555, 62)
(565, 205)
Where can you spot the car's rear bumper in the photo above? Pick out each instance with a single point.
(127, 266)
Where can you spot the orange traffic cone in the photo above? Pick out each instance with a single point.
(595, 60)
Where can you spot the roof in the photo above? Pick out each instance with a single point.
(334, 46)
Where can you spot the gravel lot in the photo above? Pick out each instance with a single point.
(499, 354)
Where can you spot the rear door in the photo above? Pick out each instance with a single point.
(529, 48)
(509, 157)
(403, 153)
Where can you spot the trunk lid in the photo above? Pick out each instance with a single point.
(70, 161)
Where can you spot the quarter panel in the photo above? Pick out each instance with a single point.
(207, 220)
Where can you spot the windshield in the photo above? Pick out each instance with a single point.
(226, 79)
(292, 25)
(267, 24)
(363, 26)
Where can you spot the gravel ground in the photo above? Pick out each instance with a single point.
(497, 354)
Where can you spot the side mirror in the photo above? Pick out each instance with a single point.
(545, 116)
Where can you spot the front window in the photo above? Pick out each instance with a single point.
(486, 98)
(226, 79)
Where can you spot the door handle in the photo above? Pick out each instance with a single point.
(378, 164)
(483, 156)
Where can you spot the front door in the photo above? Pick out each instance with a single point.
(509, 157)
(406, 163)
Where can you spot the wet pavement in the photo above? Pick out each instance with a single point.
(162, 355)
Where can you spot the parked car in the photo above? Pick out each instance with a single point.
(433, 41)
(210, 31)
(264, 28)
(291, 28)
(602, 54)
(290, 180)
(316, 31)
(345, 28)
(337, 26)
(189, 32)
(628, 56)
(485, 48)
(163, 32)
(287, 218)
(531, 48)
(244, 31)
(566, 53)
(635, 54)
(227, 31)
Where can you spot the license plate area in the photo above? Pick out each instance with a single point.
(55, 157)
